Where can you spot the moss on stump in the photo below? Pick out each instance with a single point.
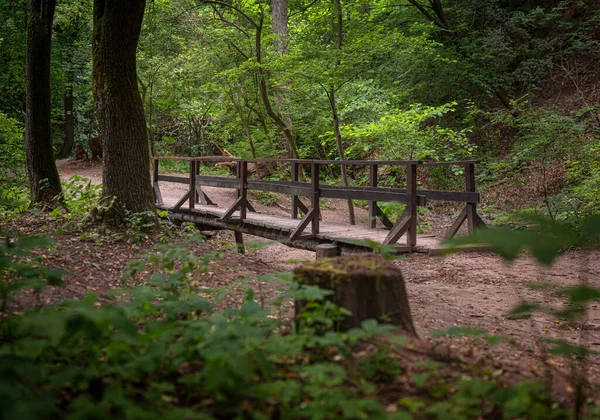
(365, 284)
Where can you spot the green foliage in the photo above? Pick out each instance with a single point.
(13, 184)
(414, 134)
(267, 198)
(161, 349)
(166, 352)
(80, 196)
(17, 273)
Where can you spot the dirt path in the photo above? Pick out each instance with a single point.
(464, 289)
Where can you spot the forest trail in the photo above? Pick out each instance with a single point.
(474, 289)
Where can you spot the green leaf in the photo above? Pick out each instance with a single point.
(582, 294)
(522, 310)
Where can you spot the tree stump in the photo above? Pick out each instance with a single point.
(365, 284)
(327, 251)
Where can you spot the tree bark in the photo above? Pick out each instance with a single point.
(279, 9)
(125, 176)
(280, 25)
(44, 181)
(339, 35)
(264, 94)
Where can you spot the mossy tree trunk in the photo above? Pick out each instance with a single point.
(365, 284)
(44, 181)
(126, 163)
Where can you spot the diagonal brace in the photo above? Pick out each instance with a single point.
(399, 229)
(312, 213)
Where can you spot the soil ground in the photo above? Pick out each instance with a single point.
(474, 289)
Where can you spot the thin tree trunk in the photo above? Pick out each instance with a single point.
(331, 95)
(125, 176)
(279, 9)
(340, 148)
(264, 94)
(44, 181)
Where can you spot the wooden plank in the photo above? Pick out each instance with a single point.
(364, 193)
(315, 197)
(373, 204)
(202, 197)
(218, 181)
(450, 163)
(479, 223)
(239, 241)
(307, 219)
(411, 205)
(182, 200)
(295, 199)
(281, 187)
(470, 186)
(192, 184)
(336, 162)
(456, 196)
(334, 191)
(157, 195)
(384, 219)
(399, 229)
(235, 206)
(457, 224)
(176, 179)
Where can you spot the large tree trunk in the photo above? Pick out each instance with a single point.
(125, 176)
(44, 181)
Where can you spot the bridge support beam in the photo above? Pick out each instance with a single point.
(314, 213)
(374, 211)
(469, 213)
(239, 241)
(407, 223)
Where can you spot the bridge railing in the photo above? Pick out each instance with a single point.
(315, 190)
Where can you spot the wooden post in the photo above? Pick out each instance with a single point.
(295, 167)
(192, 198)
(470, 187)
(155, 188)
(314, 199)
(327, 251)
(243, 191)
(239, 241)
(373, 204)
(411, 204)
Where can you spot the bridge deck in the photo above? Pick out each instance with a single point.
(279, 228)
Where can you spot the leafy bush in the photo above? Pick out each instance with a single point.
(13, 180)
(412, 134)
(164, 351)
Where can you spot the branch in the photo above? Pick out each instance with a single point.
(304, 9)
(229, 6)
(240, 51)
(425, 13)
(222, 18)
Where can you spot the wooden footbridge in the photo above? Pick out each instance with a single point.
(307, 232)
